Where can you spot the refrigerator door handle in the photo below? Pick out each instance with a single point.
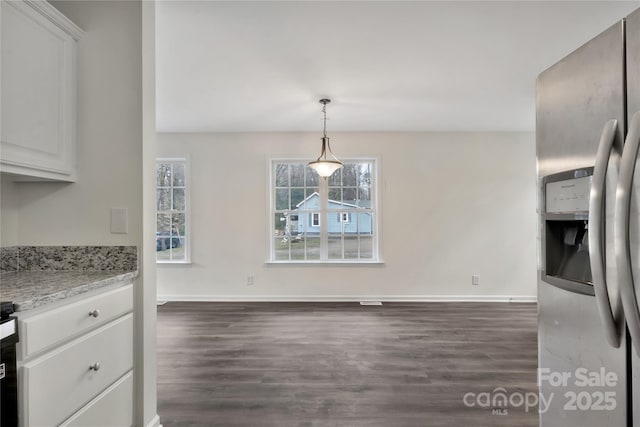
(621, 230)
(596, 233)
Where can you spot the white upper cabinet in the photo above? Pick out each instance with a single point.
(38, 93)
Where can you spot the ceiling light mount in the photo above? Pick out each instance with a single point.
(325, 167)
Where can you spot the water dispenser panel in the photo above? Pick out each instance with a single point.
(571, 195)
(565, 230)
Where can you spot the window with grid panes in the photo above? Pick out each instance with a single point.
(323, 220)
(172, 243)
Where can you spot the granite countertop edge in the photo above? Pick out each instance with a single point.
(36, 301)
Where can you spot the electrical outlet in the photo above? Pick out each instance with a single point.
(475, 280)
(250, 280)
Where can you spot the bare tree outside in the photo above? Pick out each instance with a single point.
(171, 210)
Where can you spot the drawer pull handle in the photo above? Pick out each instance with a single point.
(95, 367)
(94, 313)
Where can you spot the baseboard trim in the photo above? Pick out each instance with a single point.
(348, 298)
(155, 422)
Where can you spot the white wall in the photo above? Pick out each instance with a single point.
(8, 213)
(146, 309)
(473, 196)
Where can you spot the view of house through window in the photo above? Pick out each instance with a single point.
(314, 219)
(171, 210)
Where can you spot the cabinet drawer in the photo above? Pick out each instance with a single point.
(112, 408)
(43, 330)
(59, 383)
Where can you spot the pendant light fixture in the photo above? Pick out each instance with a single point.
(325, 167)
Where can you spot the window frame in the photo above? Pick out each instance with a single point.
(315, 219)
(323, 186)
(185, 160)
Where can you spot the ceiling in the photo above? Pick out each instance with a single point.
(387, 65)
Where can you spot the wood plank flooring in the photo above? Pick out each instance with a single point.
(342, 364)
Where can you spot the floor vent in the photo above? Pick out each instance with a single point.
(370, 303)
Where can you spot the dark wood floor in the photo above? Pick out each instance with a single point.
(342, 364)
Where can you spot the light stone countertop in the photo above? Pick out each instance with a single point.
(31, 289)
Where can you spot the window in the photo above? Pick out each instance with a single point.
(172, 241)
(315, 219)
(323, 220)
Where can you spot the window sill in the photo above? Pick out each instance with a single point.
(331, 263)
(174, 262)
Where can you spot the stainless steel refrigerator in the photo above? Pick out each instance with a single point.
(587, 137)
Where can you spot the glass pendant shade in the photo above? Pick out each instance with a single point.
(322, 165)
(325, 168)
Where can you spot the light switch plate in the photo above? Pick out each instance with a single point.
(119, 223)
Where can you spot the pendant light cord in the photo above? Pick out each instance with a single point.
(324, 112)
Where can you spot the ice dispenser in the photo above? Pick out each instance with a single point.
(565, 244)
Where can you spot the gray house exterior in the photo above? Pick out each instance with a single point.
(342, 217)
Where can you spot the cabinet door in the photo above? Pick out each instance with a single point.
(38, 104)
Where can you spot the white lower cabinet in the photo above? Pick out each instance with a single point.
(79, 380)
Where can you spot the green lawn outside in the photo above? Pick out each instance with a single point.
(312, 246)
